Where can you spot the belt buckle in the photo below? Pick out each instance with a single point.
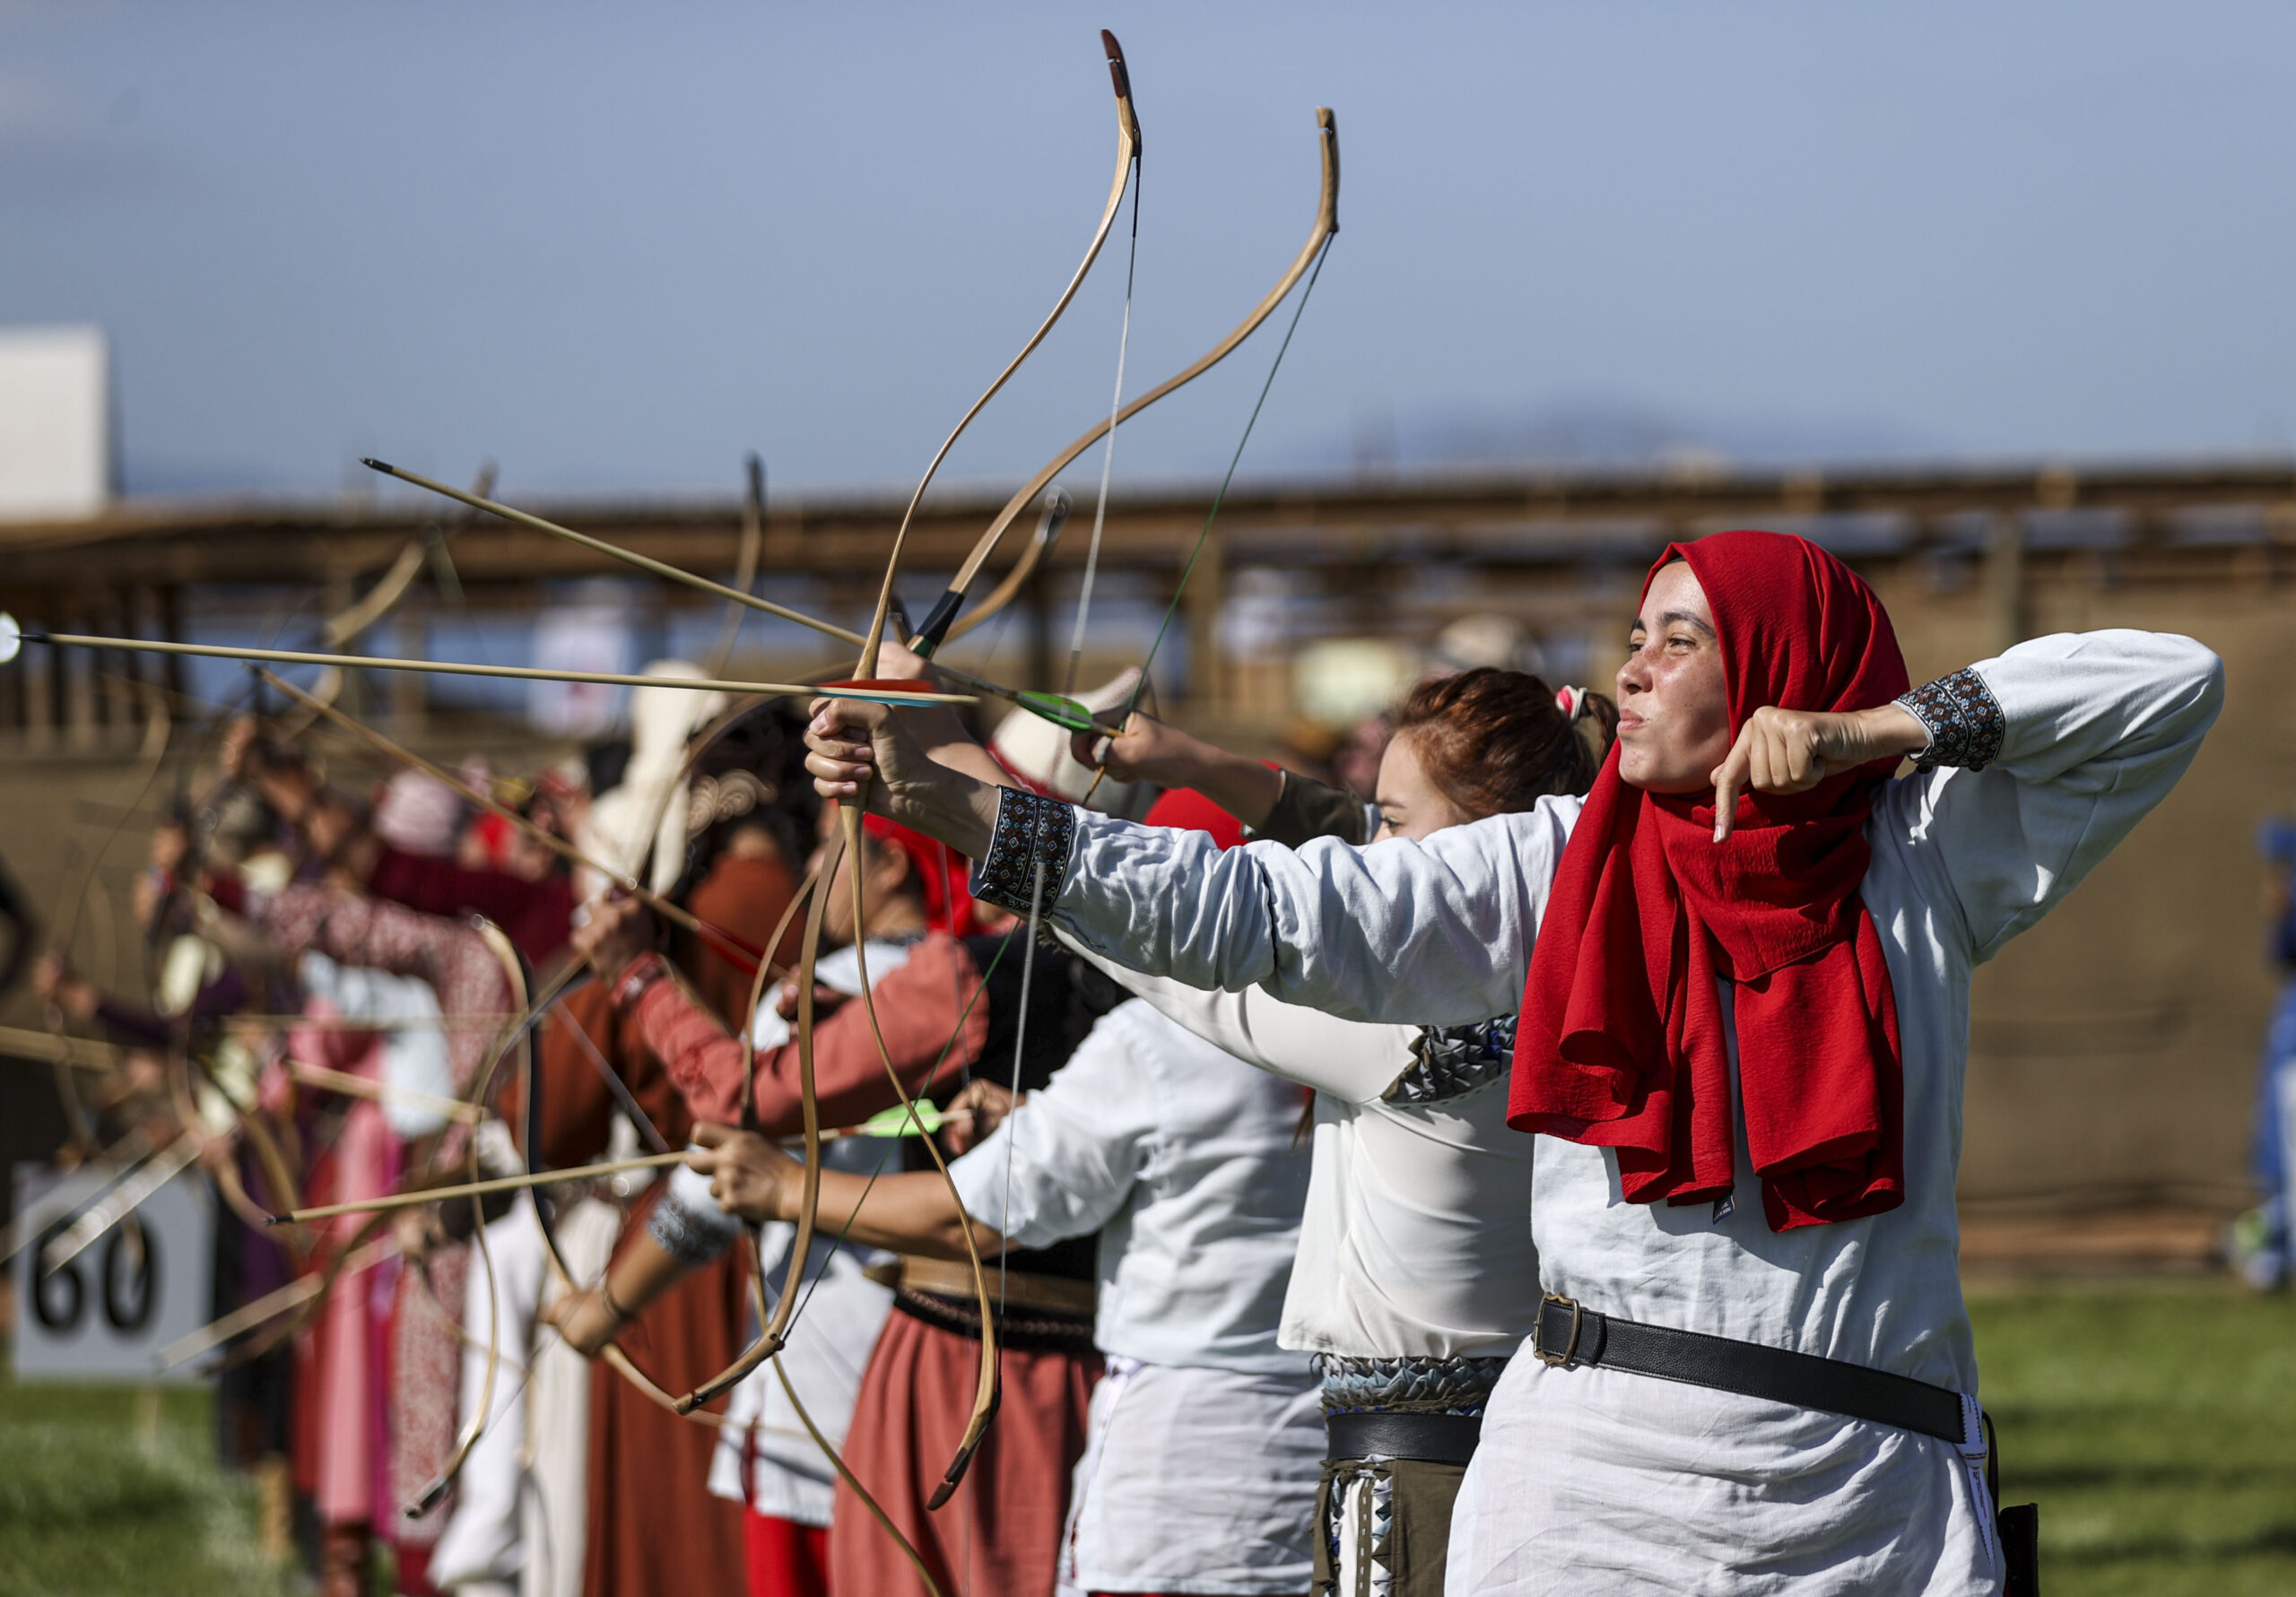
(1571, 1348)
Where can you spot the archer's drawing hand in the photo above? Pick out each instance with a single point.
(748, 1176)
(618, 930)
(585, 1319)
(974, 1113)
(1146, 750)
(1786, 751)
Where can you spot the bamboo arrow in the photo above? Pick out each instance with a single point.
(895, 1122)
(479, 1189)
(1063, 712)
(14, 635)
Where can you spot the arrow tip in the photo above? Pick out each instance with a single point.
(372, 465)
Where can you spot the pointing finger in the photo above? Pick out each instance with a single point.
(1729, 780)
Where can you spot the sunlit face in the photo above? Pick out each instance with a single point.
(883, 870)
(1673, 705)
(1411, 805)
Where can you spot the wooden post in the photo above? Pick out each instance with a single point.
(171, 628)
(1207, 675)
(410, 690)
(1038, 596)
(335, 596)
(39, 689)
(78, 668)
(2005, 578)
(116, 690)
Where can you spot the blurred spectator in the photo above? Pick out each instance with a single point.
(1356, 763)
(2260, 1238)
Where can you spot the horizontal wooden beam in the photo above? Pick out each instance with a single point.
(1528, 519)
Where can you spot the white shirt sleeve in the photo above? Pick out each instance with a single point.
(1355, 1061)
(1070, 1154)
(2097, 728)
(1435, 933)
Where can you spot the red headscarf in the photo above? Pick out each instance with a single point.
(1189, 810)
(1621, 1043)
(940, 876)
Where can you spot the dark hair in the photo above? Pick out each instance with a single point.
(753, 775)
(1496, 742)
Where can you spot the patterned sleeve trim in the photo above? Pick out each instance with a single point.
(687, 1222)
(1031, 830)
(1963, 719)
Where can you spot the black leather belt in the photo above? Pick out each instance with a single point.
(1437, 1438)
(1569, 1334)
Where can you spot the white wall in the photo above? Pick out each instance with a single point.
(55, 421)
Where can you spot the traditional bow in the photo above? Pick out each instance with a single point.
(847, 840)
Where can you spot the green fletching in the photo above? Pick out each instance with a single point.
(1064, 713)
(898, 1121)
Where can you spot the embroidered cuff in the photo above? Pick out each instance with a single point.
(1449, 1062)
(1963, 719)
(687, 1222)
(1031, 830)
(1409, 1383)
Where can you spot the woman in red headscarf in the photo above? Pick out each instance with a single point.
(1742, 963)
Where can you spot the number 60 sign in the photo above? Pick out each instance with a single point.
(104, 1314)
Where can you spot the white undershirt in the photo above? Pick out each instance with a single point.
(1416, 1239)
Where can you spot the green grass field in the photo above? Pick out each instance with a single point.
(2156, 1425)
(2155, 1422)
(90, 1508)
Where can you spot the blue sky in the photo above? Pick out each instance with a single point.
(618, 246)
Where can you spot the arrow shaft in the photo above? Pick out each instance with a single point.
(479, 1189)
(528, 673)
(667, 572)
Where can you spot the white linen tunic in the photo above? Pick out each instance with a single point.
(1205, 1441)
(1593, 1480)
(1416, 1239)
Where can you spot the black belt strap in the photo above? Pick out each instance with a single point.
(1438, 1439)
(1569, 1334)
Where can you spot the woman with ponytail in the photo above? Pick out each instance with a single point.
(1742, 967)
(1416, 1278)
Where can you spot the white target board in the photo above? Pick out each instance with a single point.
(105, 1314)
(55, 434)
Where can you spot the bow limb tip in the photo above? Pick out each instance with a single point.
(1329, 125)
(955, 1475)
(711, 1391)
(1118, 74)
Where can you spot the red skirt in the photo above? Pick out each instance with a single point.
(653, 1525)
(786, 1558)
(1000, 1533)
